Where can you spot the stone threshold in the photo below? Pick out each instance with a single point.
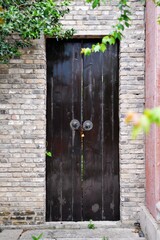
(72, 225)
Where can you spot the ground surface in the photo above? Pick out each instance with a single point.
(99, 233)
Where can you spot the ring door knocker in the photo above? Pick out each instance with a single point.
(75, 124)
(87, 125)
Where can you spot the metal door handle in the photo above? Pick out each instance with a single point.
(87, 125)
(75, 124)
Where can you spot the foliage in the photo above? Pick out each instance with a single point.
(27, 20)
(142, 122)
(49, 154)
(124, 21)
(117, 33)
(95, 3)
(37, 238)
(91, 225)
(157, 3)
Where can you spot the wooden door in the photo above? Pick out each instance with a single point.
(82, 180)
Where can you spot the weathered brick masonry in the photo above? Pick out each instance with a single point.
(22, 136)
(23, 119)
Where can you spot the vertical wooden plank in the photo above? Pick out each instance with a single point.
(66, 93)
(111, 134)
(54, 135)
(63, 170)
(71, 185)
(92, 184)
(76, 138)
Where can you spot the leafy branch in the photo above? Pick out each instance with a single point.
(27, 20)
(142, 122)
(117, 33)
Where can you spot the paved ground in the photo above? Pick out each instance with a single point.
(99, 233)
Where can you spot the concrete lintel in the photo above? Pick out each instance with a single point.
(149, 225)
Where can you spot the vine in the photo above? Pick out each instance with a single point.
(124, 21)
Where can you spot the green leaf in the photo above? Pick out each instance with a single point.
(120, 26)
(127, 24)
(97, 47)
(95, 3)
(155, 115)
(112, 40)
(37, 238)
(87, 51)
(105, 39)
(34, 238)
(49, 154)
(136, 131)
(103, 47)
(145, 123)
(119, 35)
(40, 236)
(91, 225)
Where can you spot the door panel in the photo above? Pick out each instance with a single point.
(83, 173)
(111, 135)
(63, 169)
(92, 185)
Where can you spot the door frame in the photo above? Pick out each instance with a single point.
(99, 37)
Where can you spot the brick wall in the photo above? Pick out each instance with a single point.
(132, 164)
(23, 119)
(22, 137)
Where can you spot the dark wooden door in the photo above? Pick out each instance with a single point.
(82, 180)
